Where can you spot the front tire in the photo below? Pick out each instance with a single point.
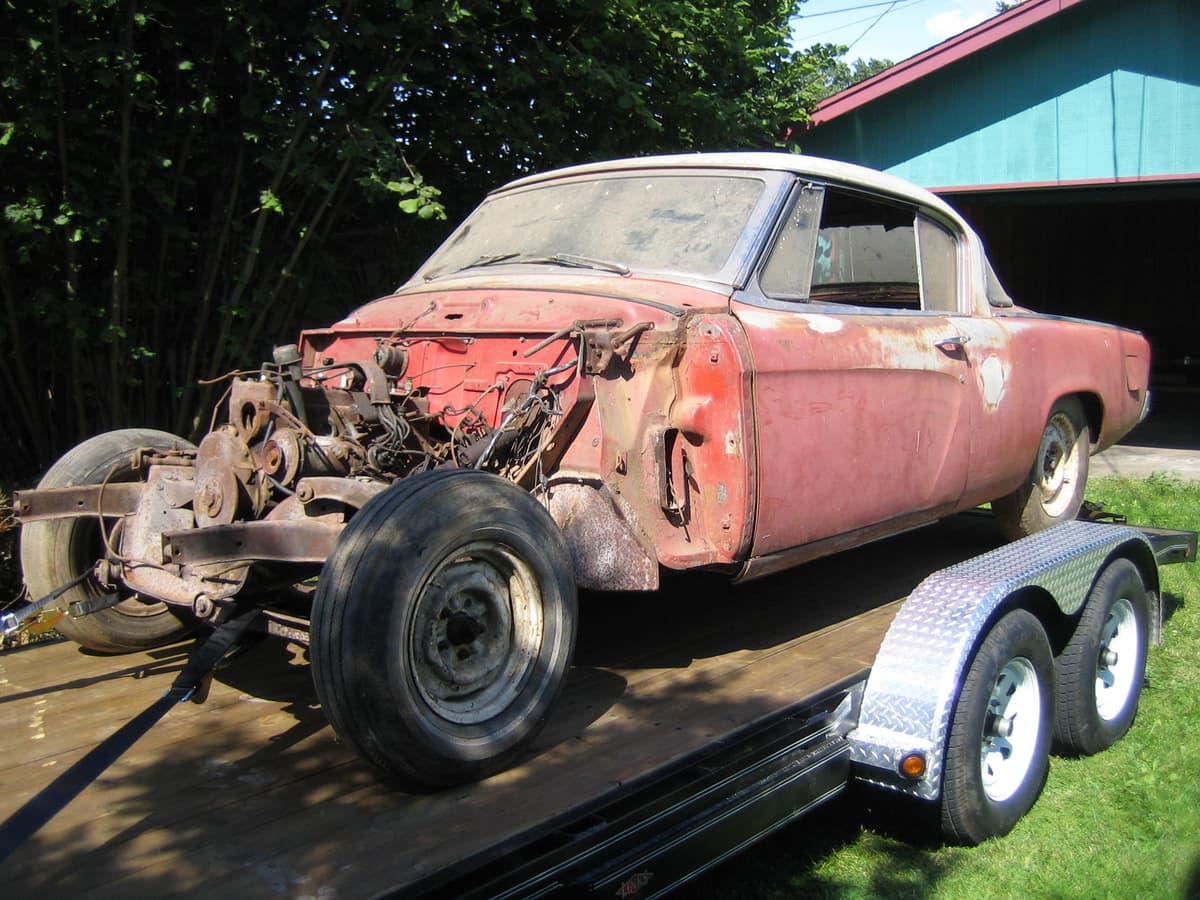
(1053, 491)
(1100, 673)
(998, 749)
(443, 627)
(57, 550)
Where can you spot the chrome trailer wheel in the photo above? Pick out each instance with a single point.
(1010, 733)
(997, 750)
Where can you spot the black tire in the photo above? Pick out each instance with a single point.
(419, 621)
(1101, 670)
(56, 551)
(991, 778)
(1053, 490)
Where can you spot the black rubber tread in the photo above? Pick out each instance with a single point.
(55, 551)
(359, 632)
(1020, 513)
(1078, 727)
(329, 647)
(968, 815)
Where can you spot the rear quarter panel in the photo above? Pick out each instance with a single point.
(1049, 358)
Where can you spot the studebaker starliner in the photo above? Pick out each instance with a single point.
(729, 362)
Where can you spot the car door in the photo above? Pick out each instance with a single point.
(862, 400)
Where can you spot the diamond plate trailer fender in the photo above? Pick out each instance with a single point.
(910, 694)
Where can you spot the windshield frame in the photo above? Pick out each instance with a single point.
(734, 273)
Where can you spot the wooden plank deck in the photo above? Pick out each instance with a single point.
(249, 794)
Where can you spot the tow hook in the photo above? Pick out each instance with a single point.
(11, 623)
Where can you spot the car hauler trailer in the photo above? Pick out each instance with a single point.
(679, 742)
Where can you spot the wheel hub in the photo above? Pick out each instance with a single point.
(1116, 664)
(1000, 726)
(475, 632)
(1010, 731)
(462, 629)
(470, 636)
(1059, 463)
(1052, 464)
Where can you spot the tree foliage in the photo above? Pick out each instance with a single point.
(186, 184)
(827, 72)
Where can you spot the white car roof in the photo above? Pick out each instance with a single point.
(815, 167)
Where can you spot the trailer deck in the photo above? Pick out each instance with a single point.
(250, 795)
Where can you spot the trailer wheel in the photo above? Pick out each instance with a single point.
(997, 752)
(1100, 673)
(57, 550)
(443, 627)
(1053, 491)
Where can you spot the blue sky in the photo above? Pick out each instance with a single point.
(885, 30)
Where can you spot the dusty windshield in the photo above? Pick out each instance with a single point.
(678, 223)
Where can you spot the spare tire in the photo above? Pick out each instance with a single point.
(55, 551)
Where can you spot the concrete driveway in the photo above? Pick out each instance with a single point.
(1168, 441)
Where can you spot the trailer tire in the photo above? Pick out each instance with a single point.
(443, 627)
(1101, 670)
(1053, 491)
(998, 748)
(57, 550)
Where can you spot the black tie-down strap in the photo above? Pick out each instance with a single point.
(192, 680)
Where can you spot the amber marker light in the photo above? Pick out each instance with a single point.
(912, 765)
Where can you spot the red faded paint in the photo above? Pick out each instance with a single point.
(862, 419)
(733, 431)
(709, 426)
(859, 418)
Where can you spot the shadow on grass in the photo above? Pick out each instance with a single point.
(1171, 604)
(1191, 888)
(896, 833)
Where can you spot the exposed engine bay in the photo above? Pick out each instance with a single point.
(296, 448)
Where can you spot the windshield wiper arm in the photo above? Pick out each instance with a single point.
(494, 259)
(557, 259)
(586, 262)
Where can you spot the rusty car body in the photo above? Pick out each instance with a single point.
(731, 362)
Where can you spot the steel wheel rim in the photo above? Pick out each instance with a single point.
(1116, 662)
(1011, 729)
(477, 630)
(1058, 464)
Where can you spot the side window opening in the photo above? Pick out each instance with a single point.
(844, 247)
(866, 253)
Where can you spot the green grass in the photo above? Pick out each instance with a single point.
(1122, 824)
